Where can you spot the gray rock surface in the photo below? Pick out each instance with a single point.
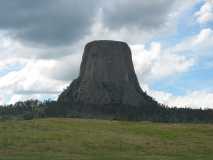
(107, 76)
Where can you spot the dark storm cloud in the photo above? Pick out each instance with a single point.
(149, 14)
(49, 22)
(61, 22)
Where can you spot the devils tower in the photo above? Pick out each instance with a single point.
(107, 77)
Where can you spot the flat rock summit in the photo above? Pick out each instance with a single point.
(107, 77)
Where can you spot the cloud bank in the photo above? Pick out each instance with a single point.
(41, 43)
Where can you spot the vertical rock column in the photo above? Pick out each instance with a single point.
(107, 76)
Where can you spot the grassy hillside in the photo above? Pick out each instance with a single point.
(78, 139)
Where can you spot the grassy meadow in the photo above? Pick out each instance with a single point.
(88, 139)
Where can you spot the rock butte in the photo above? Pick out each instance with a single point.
(106, 77)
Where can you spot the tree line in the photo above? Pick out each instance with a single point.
(151, 111)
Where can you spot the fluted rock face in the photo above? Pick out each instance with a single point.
(107, 76)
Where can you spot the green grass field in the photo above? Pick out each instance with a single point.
(82, 139)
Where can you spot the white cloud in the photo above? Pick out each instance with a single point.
(30, 80)
(193, 99)
(65, 68)
(155, 63)
(20, 97)
(205, 14)
(42, 71)
(197, 44)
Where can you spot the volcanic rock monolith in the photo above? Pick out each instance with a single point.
(107, 76)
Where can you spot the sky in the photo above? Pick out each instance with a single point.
(42, 42)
